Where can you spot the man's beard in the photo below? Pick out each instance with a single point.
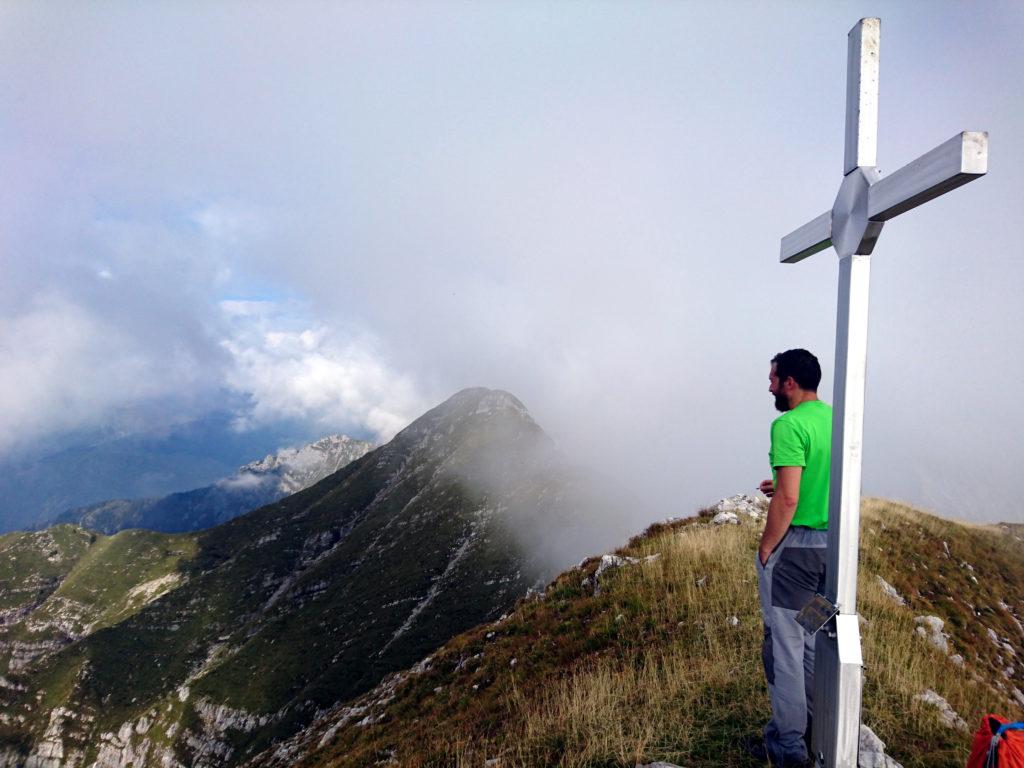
(781, 402)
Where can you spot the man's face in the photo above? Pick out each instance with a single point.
(776, 388)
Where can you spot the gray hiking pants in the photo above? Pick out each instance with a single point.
(793, 573)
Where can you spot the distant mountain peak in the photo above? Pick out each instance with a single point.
(466, 406)
(296, 467)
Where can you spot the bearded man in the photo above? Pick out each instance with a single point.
(791, 557)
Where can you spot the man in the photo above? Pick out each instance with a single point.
(791, 557)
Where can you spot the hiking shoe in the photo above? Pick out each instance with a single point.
(757, 749)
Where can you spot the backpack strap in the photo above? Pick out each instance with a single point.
(992, 759)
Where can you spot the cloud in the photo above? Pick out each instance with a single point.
(313, 374)
(228, 222)
(64, 367)
(108, 320)
(245, 481)
(118, 321)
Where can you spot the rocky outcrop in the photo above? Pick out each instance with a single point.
(890, 591)
(930, 628)
(872, 751)
(610, 562)
(23, 654)
(725, 518)
(218, 719)
(734, 508)
(122, 749)
(49, 751)
(946, 713)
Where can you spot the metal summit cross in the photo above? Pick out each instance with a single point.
(866, 200)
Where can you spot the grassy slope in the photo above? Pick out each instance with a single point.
(120, 574)
(91, 582)
(68, 582)
(653, 669)
(32, 565)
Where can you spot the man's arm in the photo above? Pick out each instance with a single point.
(781, 509)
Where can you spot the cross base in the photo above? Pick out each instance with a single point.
(838, 679)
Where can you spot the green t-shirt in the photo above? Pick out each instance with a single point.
(802, 437)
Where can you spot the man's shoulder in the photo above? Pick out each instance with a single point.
(787, 417)
(804, 413)
(784, 425)
(820, 409)
(811, 410)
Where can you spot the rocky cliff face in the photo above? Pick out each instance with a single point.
(202, 649)
(253, 485)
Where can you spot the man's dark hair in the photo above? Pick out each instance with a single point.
(801, 365)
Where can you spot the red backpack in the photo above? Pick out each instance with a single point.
(997, 744)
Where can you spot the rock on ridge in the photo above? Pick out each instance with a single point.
(728, 510)
(947, 714)
(890, 591)
(872, 751)
(930, 628)
(610, 562)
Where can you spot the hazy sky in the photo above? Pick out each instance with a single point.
(345, 212)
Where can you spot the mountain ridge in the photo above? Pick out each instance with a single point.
(241, 633)
(252, 486)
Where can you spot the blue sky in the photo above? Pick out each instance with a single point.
(347, 212)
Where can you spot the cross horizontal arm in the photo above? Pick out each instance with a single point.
(950, 165)
(814, 236)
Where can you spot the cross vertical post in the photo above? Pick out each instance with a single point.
(838, 659)
(866, 200)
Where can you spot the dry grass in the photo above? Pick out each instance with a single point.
(661, 697)
(905, 547)
(652, 668)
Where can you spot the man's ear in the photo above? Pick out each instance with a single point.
(790, 383)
